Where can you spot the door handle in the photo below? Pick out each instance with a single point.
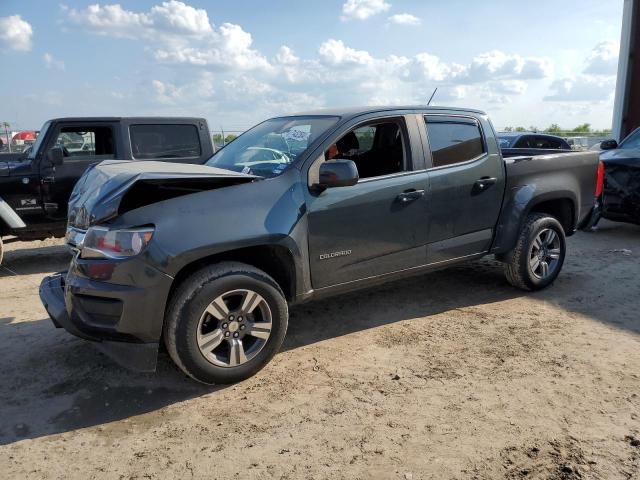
(485, 182)
(410, 195)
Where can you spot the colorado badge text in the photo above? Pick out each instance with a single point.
(342, 253)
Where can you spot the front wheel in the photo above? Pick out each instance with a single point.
(225, 322)
(538, 255)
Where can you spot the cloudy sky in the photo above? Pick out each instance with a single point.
(237, 62)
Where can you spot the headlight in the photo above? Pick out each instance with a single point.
(100, 242)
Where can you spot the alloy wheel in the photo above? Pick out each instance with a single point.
(234, 328)
(544, 256)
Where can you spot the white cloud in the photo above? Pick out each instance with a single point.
(178, 32)
(430, 67)
(497, 64)
(165, 91)
(448, 94)
(15, 33)
(243, 86)
(582, 88)
(603, 59)
(596, 83)
(52, 63)
(177, 17)
(363, 9)
(189, 92)
(286, 56)
(335, 52)
(250, 85)
(172, 18)
(510, 87)
(404, 19)
(112, 20)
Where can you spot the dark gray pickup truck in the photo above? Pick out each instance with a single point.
(208, 258)
(35, 186)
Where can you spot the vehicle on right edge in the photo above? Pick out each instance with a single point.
(620, 198)
(207, 258)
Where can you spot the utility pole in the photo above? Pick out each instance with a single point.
(6, 133)
(223, 139)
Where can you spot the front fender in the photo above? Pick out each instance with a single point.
(9, 216)
(205, 224)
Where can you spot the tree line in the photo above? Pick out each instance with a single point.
(555, 129)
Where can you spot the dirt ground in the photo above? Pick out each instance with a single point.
(449, 375)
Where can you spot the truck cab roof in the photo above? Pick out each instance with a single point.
(363, 110)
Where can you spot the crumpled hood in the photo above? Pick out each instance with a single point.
(108, 187)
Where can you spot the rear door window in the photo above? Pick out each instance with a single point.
(453, 139)
(164, 141)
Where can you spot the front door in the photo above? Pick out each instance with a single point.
(82, 145)
(380, 224)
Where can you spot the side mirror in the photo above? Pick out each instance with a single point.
(338, 173)
(55, 156)
(608, 144)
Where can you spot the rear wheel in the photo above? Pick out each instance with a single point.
(538, 255)
(225, 323)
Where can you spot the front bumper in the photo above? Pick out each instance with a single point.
(107, 318)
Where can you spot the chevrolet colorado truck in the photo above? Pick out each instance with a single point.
(35, 186)
(207, 258)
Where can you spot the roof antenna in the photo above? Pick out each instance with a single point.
(432, 95)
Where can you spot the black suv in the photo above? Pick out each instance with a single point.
(35, 186)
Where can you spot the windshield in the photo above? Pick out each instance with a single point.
(505, 142)
(632, 141)
(39, 139)
(270, 147)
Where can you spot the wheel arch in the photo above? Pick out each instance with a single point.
(561, 204)
(562, 208)
(275, 260)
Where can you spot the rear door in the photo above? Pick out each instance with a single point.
(466, 176)
(379, 225)
(82, 144)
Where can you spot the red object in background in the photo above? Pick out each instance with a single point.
(24, 136)
(600, 179)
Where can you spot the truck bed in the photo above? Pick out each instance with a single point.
(569, 175)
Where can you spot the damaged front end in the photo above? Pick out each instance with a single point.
(621, 195)
(99, 299)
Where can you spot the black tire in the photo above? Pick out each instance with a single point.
(518, 270)
(195, 295)
(1, 250)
